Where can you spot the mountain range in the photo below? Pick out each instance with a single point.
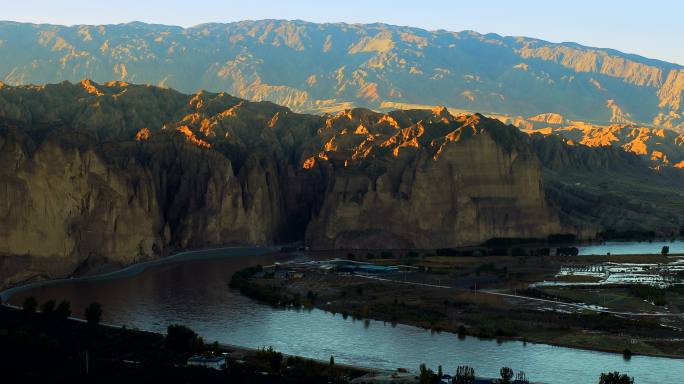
(95, 175)
(320, 68)
(124, 143)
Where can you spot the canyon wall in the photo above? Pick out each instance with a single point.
(97, 176)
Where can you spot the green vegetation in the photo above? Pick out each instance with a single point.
(266, 293)
(63, 310)
(506, 375)
(57, 349)
(275, 359)
(651, 294)
(183, 342)
(615, 378)
(464, 375)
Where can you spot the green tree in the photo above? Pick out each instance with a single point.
(93, 314)
(464, 375)
(424, 375)
(427, 376)
(521, 378)
(506, 375)
(63, 310)
(331, 366)
(48, 308)
(30, 304)
(274, 359)
(665, 250)
(182, 340)
(615, 378)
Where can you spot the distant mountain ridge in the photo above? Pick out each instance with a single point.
(329, 67)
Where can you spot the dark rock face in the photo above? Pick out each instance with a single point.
(95, 174)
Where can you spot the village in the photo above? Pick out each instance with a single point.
(660, 275)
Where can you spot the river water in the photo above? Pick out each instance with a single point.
(193, 290)
(631, 248)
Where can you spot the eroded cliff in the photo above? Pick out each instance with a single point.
(99, 175)
(425, 179)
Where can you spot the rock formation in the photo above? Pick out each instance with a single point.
(424, 179)
(94, 175)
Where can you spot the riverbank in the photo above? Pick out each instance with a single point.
(71, 349)
(137, 268)
(484, 314)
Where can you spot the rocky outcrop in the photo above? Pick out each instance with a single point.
(439, 182)
(62, 200)
(98, 175)
(661, 147)
(83, 183)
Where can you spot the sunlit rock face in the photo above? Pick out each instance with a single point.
(60, 199)
(330, 67)
(660, 146)
(426, 179)
(99, 175)
(85, 181)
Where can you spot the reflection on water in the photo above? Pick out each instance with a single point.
(195, 293)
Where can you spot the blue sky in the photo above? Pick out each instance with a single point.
(652, 28)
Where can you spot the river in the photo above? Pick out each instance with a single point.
(632, 247)
(192, 289)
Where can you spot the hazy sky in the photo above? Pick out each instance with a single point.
(651, 28)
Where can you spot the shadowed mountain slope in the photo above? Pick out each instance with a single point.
(98, 174)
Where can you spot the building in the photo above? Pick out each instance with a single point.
(213, 362)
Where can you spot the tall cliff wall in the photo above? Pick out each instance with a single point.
(94, 175)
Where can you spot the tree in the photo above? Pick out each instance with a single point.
(274, 358)
(506, 375)
(331, 366)
(615, 378)
(425, 375)
(465, 375)
(93, 314)
(182, 340)
(521, 378)
(665, 250)
(48, 308)
(63, 310)
(30, 304)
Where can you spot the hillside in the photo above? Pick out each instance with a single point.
(320, 68)
(110, 174)
(662, 147)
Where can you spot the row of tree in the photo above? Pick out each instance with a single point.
(62, 311)
(466, 375)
